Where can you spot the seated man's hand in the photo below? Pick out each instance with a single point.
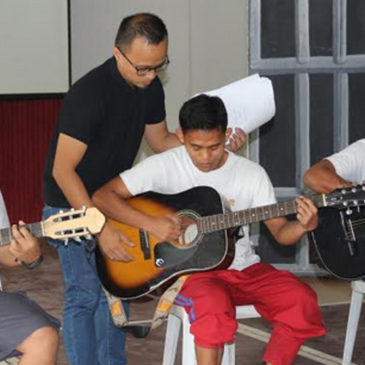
(112, 243)
(236, 140)
(24, 246)
(167, 228)
(307, 213)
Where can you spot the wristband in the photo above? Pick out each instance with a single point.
(34, 264)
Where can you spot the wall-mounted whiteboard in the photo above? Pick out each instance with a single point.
(34, 46)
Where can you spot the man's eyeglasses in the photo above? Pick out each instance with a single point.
(143, 71)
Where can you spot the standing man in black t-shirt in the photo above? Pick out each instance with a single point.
(103, 119)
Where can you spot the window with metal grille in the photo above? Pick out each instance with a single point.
(314, 53)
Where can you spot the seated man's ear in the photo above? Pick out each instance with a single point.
(180, 135)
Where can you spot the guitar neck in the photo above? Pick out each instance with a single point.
(64, 225)
(239, 218)
(34, 228)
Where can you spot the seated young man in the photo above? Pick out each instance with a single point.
(25, 329)
(281, 299)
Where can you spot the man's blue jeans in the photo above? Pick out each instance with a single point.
(89, 334)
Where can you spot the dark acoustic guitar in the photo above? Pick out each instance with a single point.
(206, 243)
(340, 240)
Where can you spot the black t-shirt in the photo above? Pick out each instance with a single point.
(109, 116)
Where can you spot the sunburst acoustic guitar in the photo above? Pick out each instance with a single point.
(206, 244)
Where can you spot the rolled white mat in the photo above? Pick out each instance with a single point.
(249, 102)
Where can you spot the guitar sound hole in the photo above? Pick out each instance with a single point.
(190, 234)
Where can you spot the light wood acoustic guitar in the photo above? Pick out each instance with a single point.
(73, 223)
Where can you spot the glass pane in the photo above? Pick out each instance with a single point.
(277, 138)
(277, 28)
(321, 116)
(355, 27)
(320, 27)
(356, 107)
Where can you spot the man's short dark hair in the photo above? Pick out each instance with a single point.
(203, 112)
(146, 25)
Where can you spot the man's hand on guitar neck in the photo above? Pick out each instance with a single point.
(24, 247)
(112, 242)
(307, 213)
(289, 232)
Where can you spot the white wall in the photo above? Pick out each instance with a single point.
(34, 46)
(207, 41)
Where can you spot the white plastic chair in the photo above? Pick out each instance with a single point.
(357, 297)
(177, 317)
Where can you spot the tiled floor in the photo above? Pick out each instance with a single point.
(45, 285)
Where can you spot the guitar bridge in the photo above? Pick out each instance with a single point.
(350, 237)
(348, 228)
(145, 244)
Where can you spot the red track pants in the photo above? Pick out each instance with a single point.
(289, 305)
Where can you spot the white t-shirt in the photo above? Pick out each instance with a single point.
(4, 220)
(241, 182)
(350, 162)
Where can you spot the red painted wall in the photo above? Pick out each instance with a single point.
(25, 130)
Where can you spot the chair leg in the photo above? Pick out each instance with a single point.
(352, 323)
(188, 345)
(171, 339)
(229, 354)
(177, 317)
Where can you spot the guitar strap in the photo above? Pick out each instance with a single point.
(161, 312)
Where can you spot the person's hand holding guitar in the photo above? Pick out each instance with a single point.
(24, 246)
(112, 243)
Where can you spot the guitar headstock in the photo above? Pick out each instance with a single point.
(74, 223)
(353, 196)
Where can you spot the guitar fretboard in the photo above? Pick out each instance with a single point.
(6, 235)
(227, 220)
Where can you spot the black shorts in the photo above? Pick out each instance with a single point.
(20, 317)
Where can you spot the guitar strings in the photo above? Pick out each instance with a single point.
(355, 224)
(358, 222)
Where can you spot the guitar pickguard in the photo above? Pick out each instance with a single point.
(167, 255)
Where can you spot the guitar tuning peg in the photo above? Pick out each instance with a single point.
(77, 239)
(83, 208)
(348, 211)
(61, 211)
(72, 209)
(65, 241)
(88, 237)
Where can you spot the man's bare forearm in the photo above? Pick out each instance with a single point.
(322, 178)
(72, 187)
(6, 258)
